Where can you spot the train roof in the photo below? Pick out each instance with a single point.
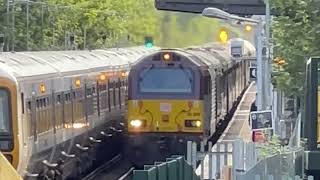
(215, 56)
(37, 63)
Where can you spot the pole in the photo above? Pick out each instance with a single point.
(27, 25)
(13, 26)
(8, 26)
(84, 37)
(268, 55)
(259, 66)
(42, 20)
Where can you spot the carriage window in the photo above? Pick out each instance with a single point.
(89, 91)
(41, 103)
(29, 105)
(166, 80)
(4, 111)
(68, 97)
(58, 98)
(22, 102)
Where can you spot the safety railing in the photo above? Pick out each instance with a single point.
(175, 168)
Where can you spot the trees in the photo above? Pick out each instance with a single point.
(43, 25)
(38, 26)
(296, 33)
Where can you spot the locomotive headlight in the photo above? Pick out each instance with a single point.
(190, 123)
(198, 123)
(136, 123)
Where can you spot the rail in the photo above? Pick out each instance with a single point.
(102, 168)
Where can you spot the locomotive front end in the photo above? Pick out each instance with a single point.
(165, 107)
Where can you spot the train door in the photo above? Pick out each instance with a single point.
(9, 144)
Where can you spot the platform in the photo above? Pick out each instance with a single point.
(239, 125)
(238, 128)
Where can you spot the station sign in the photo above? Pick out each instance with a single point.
(253, 73)
(260, 120)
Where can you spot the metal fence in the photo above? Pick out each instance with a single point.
(244, 161)
(280, 166)
(175, 168)
(216, 161)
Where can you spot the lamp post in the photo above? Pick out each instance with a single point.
(261, 69)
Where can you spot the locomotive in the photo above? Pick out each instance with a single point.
(180, 95)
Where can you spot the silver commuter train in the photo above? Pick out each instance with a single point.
(50, 101)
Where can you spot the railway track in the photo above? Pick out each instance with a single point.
(127, 175)
(117, 168)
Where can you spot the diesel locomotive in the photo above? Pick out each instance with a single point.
(180, 95)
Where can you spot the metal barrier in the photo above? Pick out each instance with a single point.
(240, 160)
(280, 166)
(221, 158)
(175, 168)
(6, 170)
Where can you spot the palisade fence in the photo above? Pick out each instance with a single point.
(239, 160)
(174, 168)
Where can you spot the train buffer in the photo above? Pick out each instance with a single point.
(6, 170)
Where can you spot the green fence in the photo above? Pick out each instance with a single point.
(175, 168)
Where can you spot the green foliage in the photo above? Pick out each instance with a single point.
(99, 24)
(295, 37)
(273, 147)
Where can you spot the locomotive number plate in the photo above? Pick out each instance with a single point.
(165, 107)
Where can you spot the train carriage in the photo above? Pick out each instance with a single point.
(177, 95)
(53, 104)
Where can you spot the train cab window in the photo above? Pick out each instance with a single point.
(162, 81)
(4, 112)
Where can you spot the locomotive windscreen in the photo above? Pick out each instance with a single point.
(166, 80)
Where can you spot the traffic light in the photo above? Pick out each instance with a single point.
(223, 36)
(148, 41)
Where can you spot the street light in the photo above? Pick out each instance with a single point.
(262, 73)
(219, 14)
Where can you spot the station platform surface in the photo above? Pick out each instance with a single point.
(238, 127)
